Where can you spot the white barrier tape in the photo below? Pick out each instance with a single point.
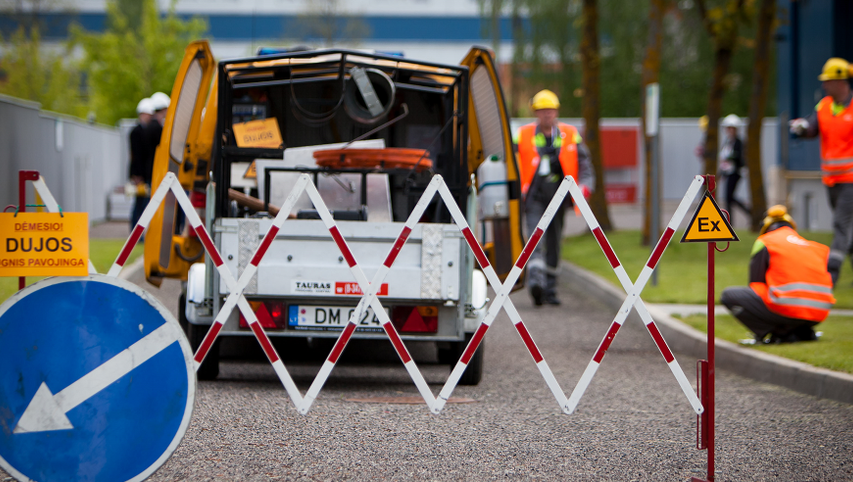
(52, 206)
(633, 295)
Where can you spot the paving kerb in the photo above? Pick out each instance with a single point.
(763, 367)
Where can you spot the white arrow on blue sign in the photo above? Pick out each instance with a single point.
(97, 381)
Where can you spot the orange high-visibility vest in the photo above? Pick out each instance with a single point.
(836, 143)
(797, 282)
(528, 153)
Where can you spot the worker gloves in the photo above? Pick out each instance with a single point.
(799, 126)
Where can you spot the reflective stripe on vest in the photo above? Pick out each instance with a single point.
(836, 142)
(783, 295)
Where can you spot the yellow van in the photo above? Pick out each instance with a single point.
(371, 130)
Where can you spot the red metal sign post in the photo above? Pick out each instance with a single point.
(23, 177)
(705, 372)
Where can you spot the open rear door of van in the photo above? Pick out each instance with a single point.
(168, 252)
(489, 130)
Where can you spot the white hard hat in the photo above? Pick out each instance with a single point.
(145, 106)
(731, 120)
(160, 100)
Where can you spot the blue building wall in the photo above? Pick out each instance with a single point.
(810, 33)
(261, 27)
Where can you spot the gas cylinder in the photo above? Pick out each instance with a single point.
(493, 188)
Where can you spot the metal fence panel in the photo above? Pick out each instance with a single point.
(81, 162)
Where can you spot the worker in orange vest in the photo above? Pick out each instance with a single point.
(548, 151)
(833, 120)
(790, 288)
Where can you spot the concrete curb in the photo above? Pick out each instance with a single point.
(746, 362)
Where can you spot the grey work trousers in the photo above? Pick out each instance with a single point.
(543, 263)
(750, 310)
(841, 202)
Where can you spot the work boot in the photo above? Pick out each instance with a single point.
(551, 299)
(537, 293)
(805, 334)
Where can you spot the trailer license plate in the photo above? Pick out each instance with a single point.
(312, 317)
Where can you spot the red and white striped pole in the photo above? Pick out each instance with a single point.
(633, 296)
(368, 298)
(236, 287)
(502, 300)
(142, 224)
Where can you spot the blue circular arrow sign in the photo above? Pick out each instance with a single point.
(98, 381)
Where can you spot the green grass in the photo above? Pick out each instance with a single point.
(682, 278)
(832, 351)
(102, 252)
(683, 269)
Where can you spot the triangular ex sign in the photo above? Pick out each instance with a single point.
(708, 224)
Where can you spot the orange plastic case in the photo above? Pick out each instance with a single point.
(388, 158)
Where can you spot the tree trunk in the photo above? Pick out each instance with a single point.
(514, 68)
(651, 73)
(722, 60)
(723, 32)
(591, 85)
(757, 104)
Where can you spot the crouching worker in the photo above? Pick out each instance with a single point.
(790, 289)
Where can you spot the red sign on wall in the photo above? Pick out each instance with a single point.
(620, 193)
(619, 147)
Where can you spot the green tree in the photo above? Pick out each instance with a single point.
(47, 78)
(722, 23)
(125, 64)
(591, 61)
(328, 21)
(758, 101)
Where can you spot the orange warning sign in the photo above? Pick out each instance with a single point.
(708, 224)
(251, 172)
(44, 244)
(258, 133)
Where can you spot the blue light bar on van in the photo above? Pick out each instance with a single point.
(303, 48)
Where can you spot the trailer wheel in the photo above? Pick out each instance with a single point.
(182, 312)
(474, 371)
(209, 368)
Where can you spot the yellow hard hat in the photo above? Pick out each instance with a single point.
(835, 69)
(775, 214)
(545, 99)
(703, 123)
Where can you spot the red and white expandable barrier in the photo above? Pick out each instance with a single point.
(369, 298)
(633, 291)
(236, 287)
(370, 288)
(502, 300)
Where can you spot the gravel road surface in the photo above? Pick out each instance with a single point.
(634, 423)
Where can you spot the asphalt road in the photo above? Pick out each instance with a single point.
(633, 423)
